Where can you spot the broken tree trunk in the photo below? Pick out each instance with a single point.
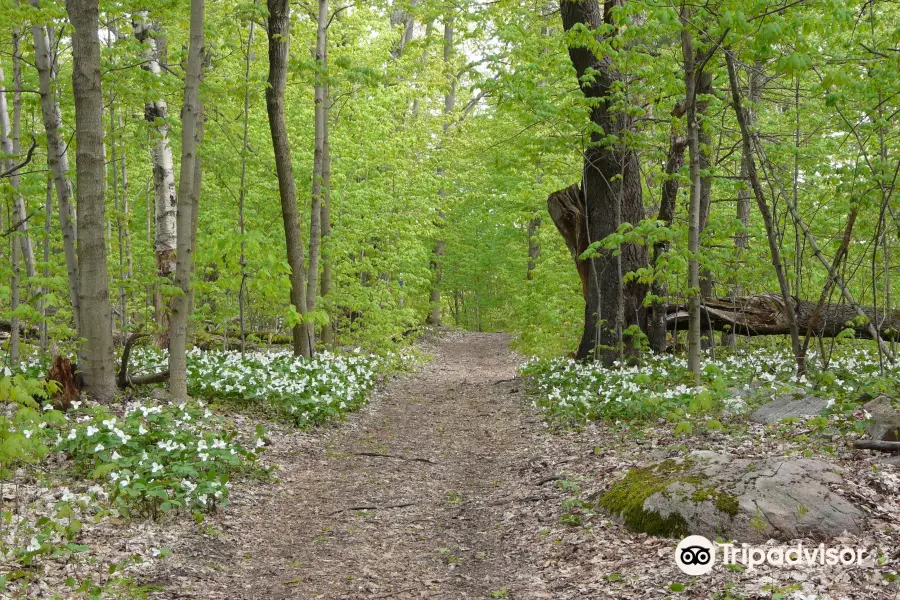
(765, 314)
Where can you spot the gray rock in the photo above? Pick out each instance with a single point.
(747, 500)
(789, 405)
(885, 420)
(160, 394)
(889, 460)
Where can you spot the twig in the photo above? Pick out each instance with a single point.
(12, 170)
(540, 482)
(388, 595)
(349, 508)
(380, 455)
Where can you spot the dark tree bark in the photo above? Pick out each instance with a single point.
(656, 325)
(96, 355)
(318, 174)
(611, 194)
(279, 35)
(534, 247)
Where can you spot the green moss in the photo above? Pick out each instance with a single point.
(725, 502)
(626, 498)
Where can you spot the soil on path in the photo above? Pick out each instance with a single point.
(407, 499)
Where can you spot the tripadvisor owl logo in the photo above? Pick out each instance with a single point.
(695, 555)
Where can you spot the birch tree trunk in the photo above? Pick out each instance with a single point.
(10, 145)
(188, 196)
(321, 125)
(279, 45)
(96, 355)
(157, 112)
(57, 158)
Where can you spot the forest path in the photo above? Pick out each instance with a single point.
(460, 466)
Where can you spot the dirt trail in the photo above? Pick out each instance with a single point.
(458, 444)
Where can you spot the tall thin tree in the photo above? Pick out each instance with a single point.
(279, 45)
(188, 195)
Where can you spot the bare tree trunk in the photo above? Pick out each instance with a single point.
(96, 356)
(656, 326)
(13, 298)
(188, 196)
(328, 329)
(48, 217)
(10, 144)
(195, 198)
(437, 258)
(755, 83)
(156, 112)
(534, 247)
(771, 234)
(120, 229)
(57, 157)
(321, 124)
(243, 191)
(693, 128)
(399, 17)
(279, 44)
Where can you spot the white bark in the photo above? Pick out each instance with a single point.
(9, 144)
(165, 209)
(57, 159)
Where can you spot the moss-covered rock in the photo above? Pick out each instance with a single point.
(718, 496)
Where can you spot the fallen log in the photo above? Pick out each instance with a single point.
(764, 314)
(877, 445)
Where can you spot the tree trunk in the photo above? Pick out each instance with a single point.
(279, 44)
(57, 158)
(188, 197)
(243, 191)
(96, 355)
(321, 124)
(756, 79)
(656, 326)
(156, 112)
(120, 227)
(10, 145)
(771, 234)
(328, 329)
(611, 193)
(48, 217)
(693, 129)
(437, 258)
(534, 247)
(766, 314)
